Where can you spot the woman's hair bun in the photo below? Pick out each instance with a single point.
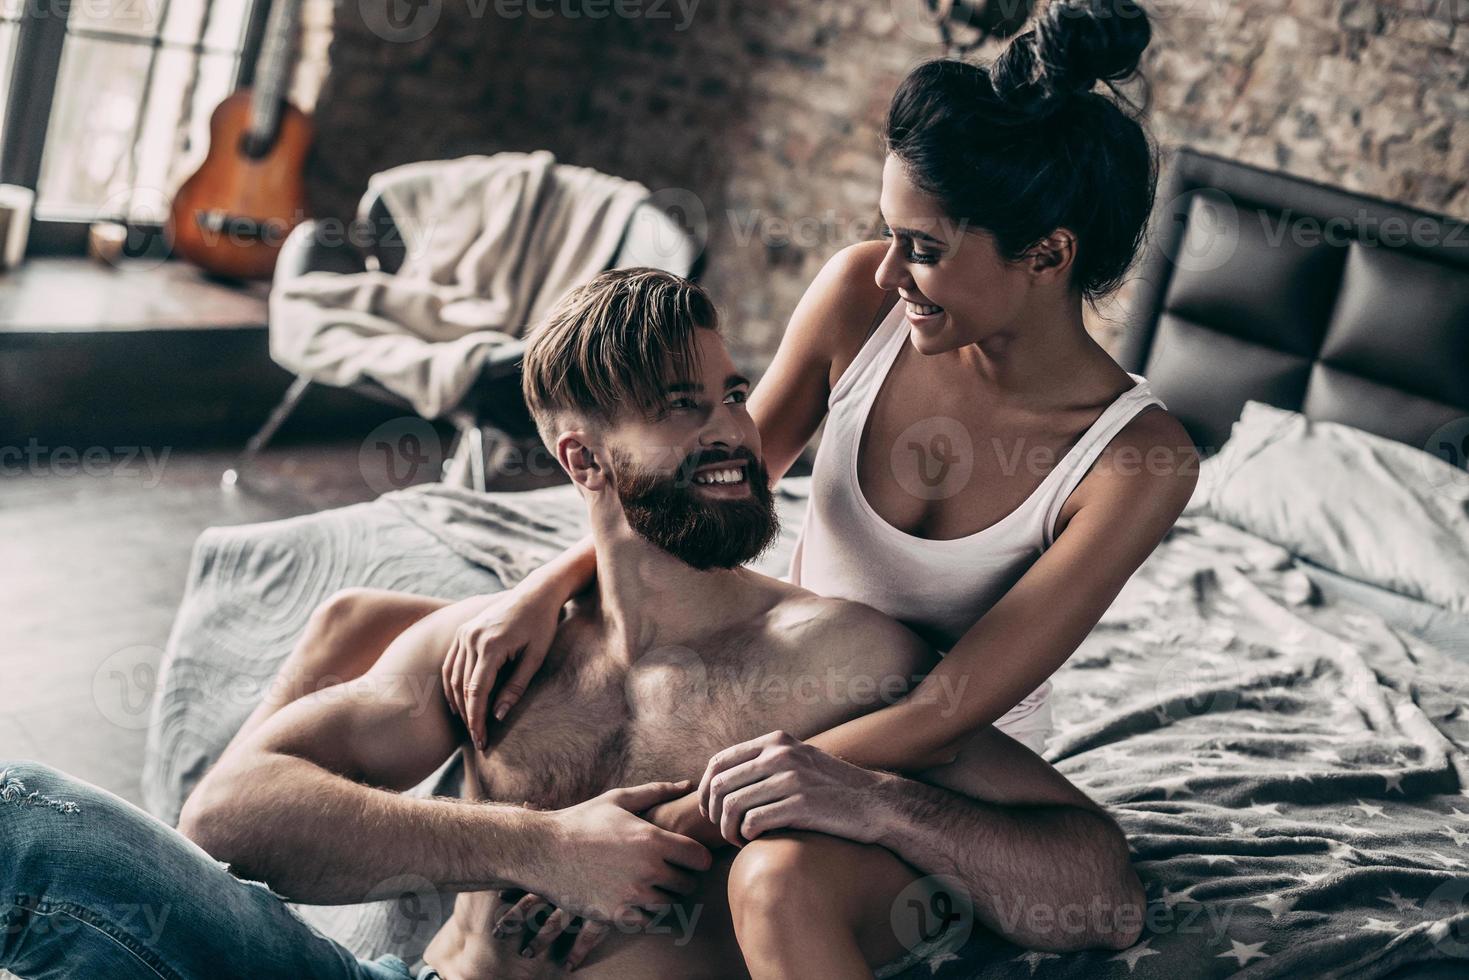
(1021, 146)
(1074, 44)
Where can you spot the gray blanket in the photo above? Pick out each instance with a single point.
(1288, 767)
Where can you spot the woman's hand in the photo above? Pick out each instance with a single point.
(518, 627)
(778, 782)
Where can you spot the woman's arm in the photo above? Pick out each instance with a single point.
(826, 330)
(1132, 496)
(521, 629)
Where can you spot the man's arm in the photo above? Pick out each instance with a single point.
(1045, 866)
(311, 801)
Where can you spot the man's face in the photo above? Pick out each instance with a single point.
(690, 477)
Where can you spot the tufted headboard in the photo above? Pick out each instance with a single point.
(1261, 286)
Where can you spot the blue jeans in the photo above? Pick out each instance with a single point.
(92, 886)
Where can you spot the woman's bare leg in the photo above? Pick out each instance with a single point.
(344, 637)
(811, 905)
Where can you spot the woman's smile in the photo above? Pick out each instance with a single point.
(923, 314)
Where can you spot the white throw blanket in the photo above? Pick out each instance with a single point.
(492, 242)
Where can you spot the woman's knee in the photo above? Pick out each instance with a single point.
(790, 872)
(792, 886)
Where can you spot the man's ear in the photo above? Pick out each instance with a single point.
(582, 459)
(1050, 259)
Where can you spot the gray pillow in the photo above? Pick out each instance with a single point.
(1361, 505)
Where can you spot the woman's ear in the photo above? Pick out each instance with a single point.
(581, 460)
(1051, 258)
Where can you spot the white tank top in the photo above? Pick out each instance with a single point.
(939, 588)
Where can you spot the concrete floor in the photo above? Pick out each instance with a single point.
(94, 567)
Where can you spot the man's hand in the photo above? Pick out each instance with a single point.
(612, 864)
(684, 816)
(657, 867)
(778, 782)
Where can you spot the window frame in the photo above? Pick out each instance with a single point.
(40, 35)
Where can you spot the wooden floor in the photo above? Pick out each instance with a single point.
(94, 569)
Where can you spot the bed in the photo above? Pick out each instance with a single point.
(1275, 708)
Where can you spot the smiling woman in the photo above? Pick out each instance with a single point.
(973, 419)
(1017, 157)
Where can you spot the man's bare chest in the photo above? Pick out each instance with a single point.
(581, 730)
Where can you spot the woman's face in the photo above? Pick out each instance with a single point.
(957, 289)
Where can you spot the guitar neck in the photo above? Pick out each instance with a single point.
(272, 71)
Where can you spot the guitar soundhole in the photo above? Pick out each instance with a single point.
(254, 146)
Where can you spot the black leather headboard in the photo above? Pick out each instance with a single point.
(1261, 286)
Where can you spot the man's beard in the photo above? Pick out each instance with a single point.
(669, 511)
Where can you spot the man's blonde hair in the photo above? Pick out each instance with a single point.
(607, 345)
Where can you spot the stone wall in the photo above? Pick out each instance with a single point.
(765, 114)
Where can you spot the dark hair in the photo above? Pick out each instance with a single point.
(1024, 146)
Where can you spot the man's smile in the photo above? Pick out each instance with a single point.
(724, 479)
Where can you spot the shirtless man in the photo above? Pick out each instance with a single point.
(677, 653)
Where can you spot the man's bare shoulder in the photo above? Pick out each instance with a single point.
(824, 631)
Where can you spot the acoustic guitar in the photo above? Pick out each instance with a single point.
(232, 215)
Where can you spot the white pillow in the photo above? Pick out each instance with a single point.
(1361, 505)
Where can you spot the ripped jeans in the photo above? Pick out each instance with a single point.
(92, 886)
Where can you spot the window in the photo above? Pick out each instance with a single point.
(108, 101)
(9, 30)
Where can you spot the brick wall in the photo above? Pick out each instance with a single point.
(767, 112)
